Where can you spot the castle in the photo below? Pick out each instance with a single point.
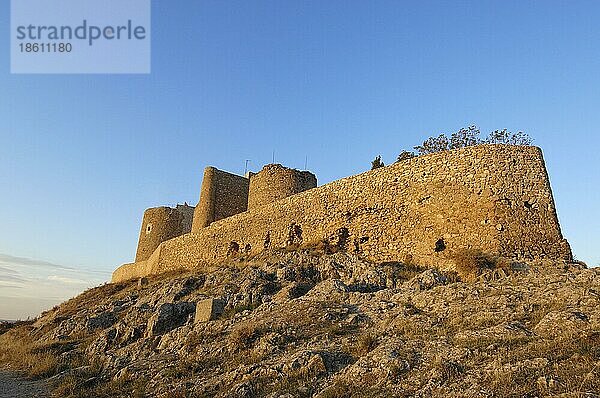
(492, 197)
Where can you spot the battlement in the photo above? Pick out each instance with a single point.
(496, 198)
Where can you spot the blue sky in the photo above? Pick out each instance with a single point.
(340, 82)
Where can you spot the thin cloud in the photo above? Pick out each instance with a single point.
(10, 285)
(37, 285)
(7, 270)
(67, 280)
(12, 278)
(7, 259)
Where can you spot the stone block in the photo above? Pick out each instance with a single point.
(209, 310)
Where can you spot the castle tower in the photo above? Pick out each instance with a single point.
(161, 224)
(276, 182)
(222, 195)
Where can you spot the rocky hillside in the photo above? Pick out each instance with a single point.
(309, 324)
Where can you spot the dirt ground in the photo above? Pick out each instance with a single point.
(12, 385)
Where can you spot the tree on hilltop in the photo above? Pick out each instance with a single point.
(405, 155)
(377, 163)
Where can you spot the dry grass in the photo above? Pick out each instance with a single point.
(366, 343)
(412, 328)
(447, 370)
(92, 297)
(339, 329)
(402, 272)
(6, 326)
(471, 263)
(20, 352)
(317, 247)
(243, 336)
(339, 389)
(573, 364)
(92, 386)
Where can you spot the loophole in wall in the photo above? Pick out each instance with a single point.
(234, 248)
(440, 245)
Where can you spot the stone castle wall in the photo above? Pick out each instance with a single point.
(492, 197)
(222, 195)
(161, 224)
(275, 182)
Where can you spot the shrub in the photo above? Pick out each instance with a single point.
(506, 137)
(243, 337)
(366, 343)
(405, 155)
(377, 163)
(433, 144)
(470, 263)
(465, 137)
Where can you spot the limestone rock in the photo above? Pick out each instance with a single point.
(427, 280)
(208, 310)
(334, 326)
(101, 321)
(168, 317)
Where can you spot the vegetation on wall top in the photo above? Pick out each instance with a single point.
(467, 136)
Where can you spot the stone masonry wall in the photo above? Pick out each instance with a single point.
(275, 182)
(492, 197)
(222, 195)
(160, 224)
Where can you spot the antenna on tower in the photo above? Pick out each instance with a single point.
(273, 160)
(306, 162)
(246, 167)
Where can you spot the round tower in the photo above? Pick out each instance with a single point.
(275, 182)
(222, 195)
(161, 224)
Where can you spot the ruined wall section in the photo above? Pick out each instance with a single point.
(222, 195)
(275, 182)
(160, 224)
(492, 197)
(525, 211)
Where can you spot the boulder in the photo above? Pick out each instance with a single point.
(426, 280)
(209, 310)
(168, 317)
(101, 321)
(143, 282)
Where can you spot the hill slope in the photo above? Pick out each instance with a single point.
(306, 324)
